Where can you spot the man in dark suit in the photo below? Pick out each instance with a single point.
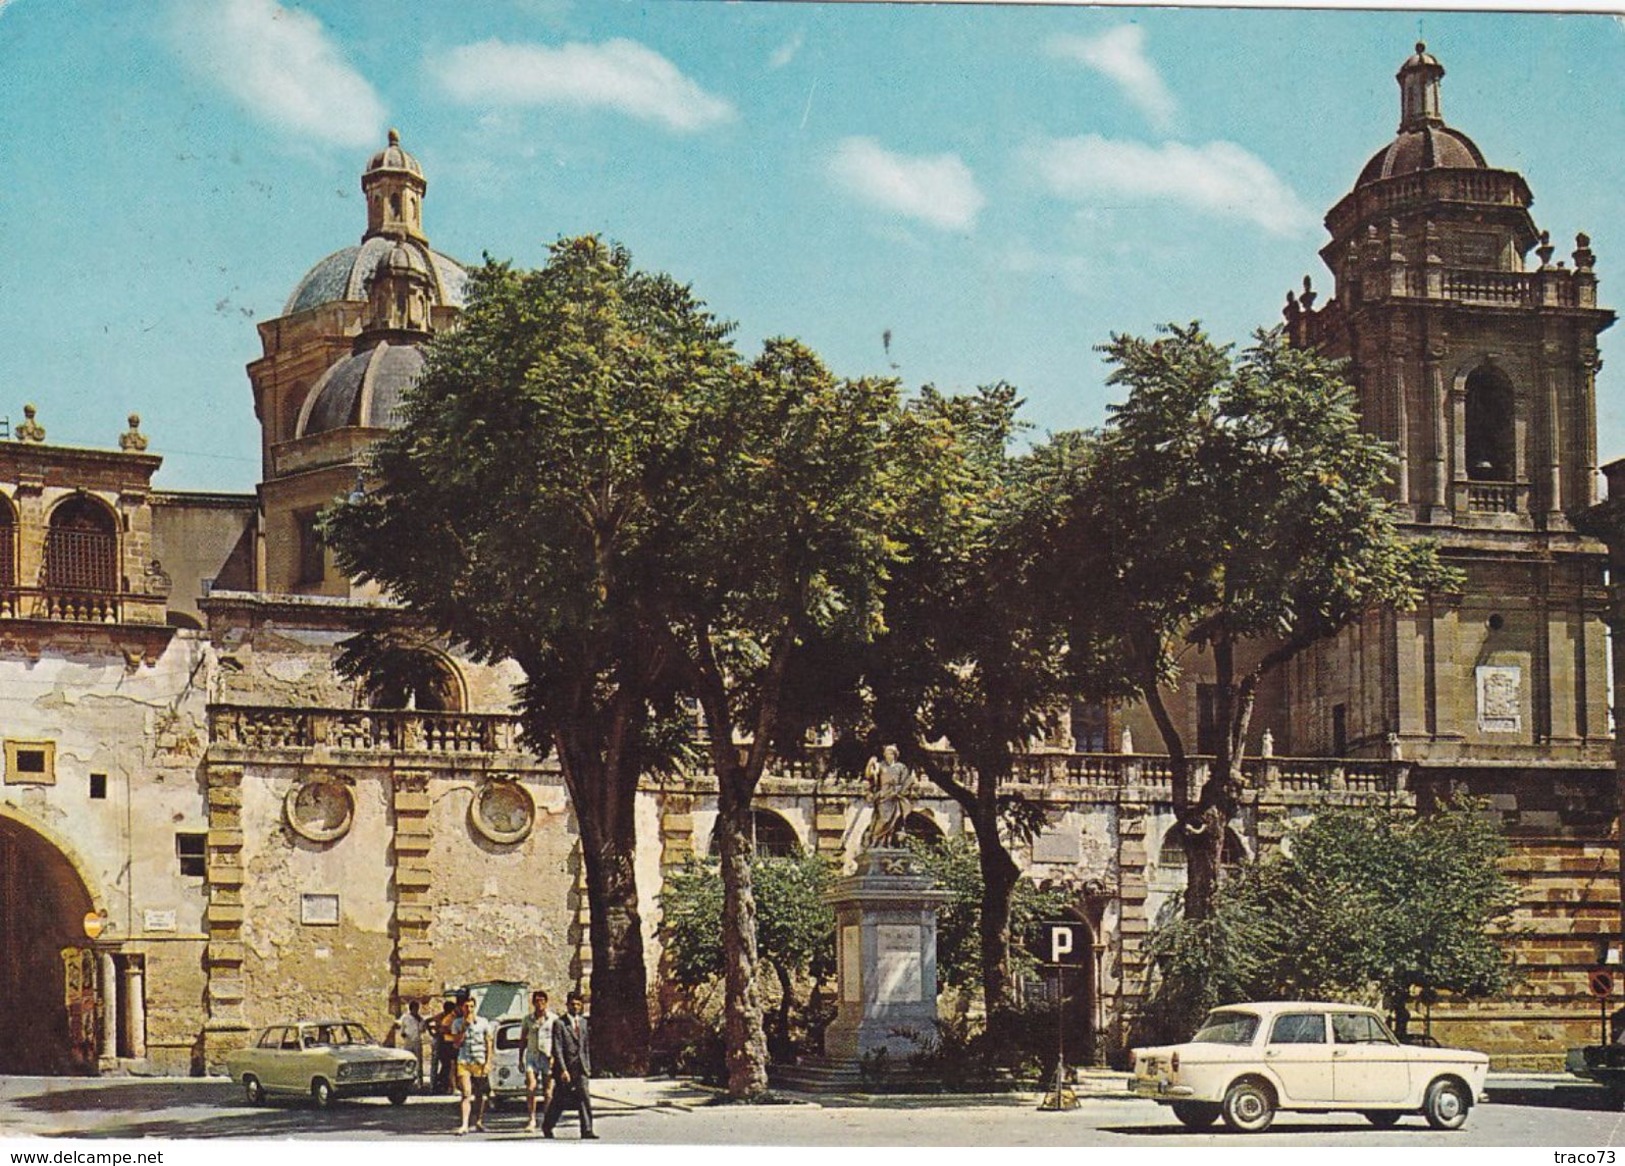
(572, 1066)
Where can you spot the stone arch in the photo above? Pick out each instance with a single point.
(1489, 427)
(1171, 854)
(81, 545)
(921, 825)
(408, 676)
(46, 891)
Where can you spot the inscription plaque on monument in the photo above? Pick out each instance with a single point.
(897, 962)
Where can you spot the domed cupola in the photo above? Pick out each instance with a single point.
(394, 187)
(1424, 141)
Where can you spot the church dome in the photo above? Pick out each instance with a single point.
(1424, 141)
(343, 275)
(363, 390)
(1427, 148)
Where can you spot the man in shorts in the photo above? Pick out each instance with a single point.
(537, 1053)
(475, 1043)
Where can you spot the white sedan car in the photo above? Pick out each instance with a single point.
(1249, 1060)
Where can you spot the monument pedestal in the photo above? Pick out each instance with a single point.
(886, 962)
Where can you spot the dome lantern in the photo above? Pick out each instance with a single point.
(394, 186)
(1419, 90)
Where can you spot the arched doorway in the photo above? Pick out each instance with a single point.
(49, 972)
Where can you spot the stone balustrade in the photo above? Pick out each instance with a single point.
(409, 731)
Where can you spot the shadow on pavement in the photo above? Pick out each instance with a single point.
(1593, 1097)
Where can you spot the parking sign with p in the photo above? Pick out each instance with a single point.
(1064, 943)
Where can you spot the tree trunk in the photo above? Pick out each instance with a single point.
(787, 998)
(1204, 854)
(999, 877)
(603, 797)
(743, 1032)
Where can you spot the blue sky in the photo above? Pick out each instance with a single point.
(998, 188)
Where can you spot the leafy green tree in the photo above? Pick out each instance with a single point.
(786, 502)
(956, 866)
(522, 510)
(795, 927)
(973, 651)
(1374, 903)
(1236, 507)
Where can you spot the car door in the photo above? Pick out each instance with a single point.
(1296, 1051)
(1368, 1064)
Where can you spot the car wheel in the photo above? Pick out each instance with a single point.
(321, 1093)
(398, 1095)
(1382, 1118)
(1446, 1105)
(253, 1090)
(1196, 1115)
(1248, 1107)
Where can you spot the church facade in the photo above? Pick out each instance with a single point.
(204, 828)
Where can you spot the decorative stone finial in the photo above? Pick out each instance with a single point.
(133, 440)
(1545, 249)
(1266, 744)
(394, 137)
(1307, 299)
(1127, 743)
(30, 430)
(1584, 259)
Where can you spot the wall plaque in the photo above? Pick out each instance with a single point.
(319, 910)
(1500, 698)
(158, 920)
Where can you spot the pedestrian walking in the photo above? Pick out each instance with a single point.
(537, 1054)
(472, 1035)
(572, 1068)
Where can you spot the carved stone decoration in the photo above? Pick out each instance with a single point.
(30, 429)
(503, 811)
(320, 810)
(132, 440)
(1500, 698)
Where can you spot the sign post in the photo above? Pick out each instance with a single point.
(1602, 986)
(1061, 950)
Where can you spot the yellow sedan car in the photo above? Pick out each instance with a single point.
(322, 1060)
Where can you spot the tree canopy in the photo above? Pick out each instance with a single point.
(1235, 506)
(524, 509)
(1375, 903)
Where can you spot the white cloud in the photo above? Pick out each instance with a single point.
(622, 75)
(1219, 178)
(1119, 54)
(282, 66)
(936, 189)
(786, 52)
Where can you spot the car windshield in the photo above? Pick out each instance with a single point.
(1227, 1028)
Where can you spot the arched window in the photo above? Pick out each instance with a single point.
(1172, 853)
(81, 547)
(8, 544)
(411, 678)
(1491, 412)
(773, 836)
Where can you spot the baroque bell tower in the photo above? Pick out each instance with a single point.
(1478, 366)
